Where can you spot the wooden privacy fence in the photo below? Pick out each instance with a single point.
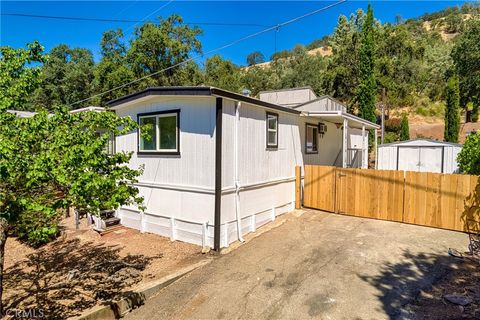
(448, 201)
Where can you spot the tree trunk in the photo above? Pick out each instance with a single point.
(3, 239)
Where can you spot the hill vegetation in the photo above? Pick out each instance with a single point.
(412, 60)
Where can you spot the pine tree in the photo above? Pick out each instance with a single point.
(452, 116)
(367, 88)
(404, 128)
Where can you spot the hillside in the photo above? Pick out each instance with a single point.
(413, 62)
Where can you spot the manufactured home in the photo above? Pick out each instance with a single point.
(218, 164)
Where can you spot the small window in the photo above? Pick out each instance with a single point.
(272, 130)
(311, 138)
(109, 147)
(159, 132)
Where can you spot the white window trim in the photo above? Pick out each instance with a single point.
(270, 116)
(315, 128)
(157, 116)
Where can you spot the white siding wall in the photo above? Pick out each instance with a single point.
(328, 147)
(266, 177)
(387, 158)
(178, 190)
(323, 104)
(288, 97)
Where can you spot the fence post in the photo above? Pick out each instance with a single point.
(298, 187)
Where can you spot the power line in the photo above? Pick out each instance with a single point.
(150, 14)
(27, 15)
(276, 27)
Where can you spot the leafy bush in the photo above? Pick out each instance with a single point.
(36, 229)
(469, 157)
(390, 137)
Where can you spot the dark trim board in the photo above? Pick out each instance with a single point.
(218, 174)
(306, 129)
(197, 91)
(275, 146)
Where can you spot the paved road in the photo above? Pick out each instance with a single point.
(318, 265)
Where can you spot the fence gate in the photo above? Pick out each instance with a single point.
(319, 188)
(448, 201)
(369, 193)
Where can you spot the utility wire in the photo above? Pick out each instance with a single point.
(276, 27)
(26, 15)
(150, 14)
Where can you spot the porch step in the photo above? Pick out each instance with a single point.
(117, 228)
(113, 221)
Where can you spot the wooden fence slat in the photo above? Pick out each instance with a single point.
(429, 199)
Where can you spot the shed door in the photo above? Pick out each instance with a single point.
(431, 159)
(421, 159)
(408, 158)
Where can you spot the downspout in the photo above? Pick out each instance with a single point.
(238, 104)
(218, 174)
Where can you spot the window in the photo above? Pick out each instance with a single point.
(272, 130)
(109, 147)
(159, 132)
(311, 136)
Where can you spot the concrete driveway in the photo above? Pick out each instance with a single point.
(318, 265)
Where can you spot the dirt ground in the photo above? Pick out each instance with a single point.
(465, 281)
(82, 268)
(434, 130)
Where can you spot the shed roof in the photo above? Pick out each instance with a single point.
(420, 142)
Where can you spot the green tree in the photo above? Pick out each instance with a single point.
(222, 74)
(67, 77)
(342, 69)
(112, 71)
(404, 128)
(162, 46)
(466, 57)
(255, 57)
(50, 162)
(469, 157)
(367, 88)
(452, 112)
(18, 77)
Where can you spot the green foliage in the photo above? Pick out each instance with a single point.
(53, 161)
(452, 112)
(112, 71)
(342, 71)
(367, 87)
(161, 46)
(466, 57)
(404, 129)
(67, 77)
(475, 110)
(222, 74)
(255, 57)
(469, 157)
(390, 137)
(18, 77)
(37, 229)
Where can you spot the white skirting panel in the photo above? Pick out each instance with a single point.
(194, 224)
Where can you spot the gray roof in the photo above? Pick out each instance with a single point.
(197, 91)
(417, 140)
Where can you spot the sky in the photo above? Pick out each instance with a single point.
(17, 31)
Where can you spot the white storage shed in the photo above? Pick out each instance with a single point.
(420, 155)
